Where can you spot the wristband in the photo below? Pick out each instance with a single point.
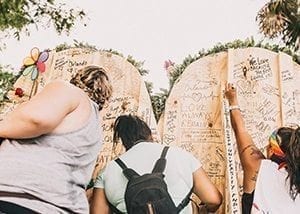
(234, 107)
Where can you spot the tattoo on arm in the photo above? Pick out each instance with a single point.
(257, 152)
(254, 177)
(254, 151)
(247, 147)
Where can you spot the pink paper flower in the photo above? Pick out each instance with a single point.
(168, 63)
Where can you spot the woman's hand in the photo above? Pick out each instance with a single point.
(249, 154)
(230, 94)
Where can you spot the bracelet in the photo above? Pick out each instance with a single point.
(234, 107)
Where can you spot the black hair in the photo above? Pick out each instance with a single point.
(289, 142)
(131, 129)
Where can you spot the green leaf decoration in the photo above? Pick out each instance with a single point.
(34, 73)
(28, 70)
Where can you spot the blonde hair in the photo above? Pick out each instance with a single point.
(94, 81)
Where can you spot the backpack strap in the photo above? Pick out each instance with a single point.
(114, 209)
(128, 172)
(160, 164)
(185, 201)
(121, 163)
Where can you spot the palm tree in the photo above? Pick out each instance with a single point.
(281, 19)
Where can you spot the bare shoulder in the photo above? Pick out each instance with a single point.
(59, 85)
(59, 94)
(67, 102)
(63, 89)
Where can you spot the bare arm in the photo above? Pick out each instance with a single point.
(41, 114)
(249, 154)
(99, 204)
(206, 190)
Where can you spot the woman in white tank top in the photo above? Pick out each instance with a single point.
(270, 185)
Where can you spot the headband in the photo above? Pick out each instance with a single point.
(277, 154)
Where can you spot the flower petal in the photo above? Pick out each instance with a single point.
(28, 61)
(41, 66)
(43, 56)
(34, 73)
(35, 53)
(27, 70)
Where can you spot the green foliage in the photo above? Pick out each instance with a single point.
(114, 52)
(158, 100)
(149, 86)
(76, 44)
(281, 19)
(18, 15)
(7, 80)
(224, 47)
(137, 64)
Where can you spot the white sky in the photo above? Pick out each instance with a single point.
(149, 30)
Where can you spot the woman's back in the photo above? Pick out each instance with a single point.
(272, 191)
(142, 157)
(53, 168)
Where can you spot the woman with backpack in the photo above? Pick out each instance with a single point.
(160, 178)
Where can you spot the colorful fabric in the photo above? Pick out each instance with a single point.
(276, 150)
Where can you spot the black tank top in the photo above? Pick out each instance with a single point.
(247, 200)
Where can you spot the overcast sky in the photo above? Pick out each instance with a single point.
(149, 30)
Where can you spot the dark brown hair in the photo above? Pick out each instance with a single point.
(289, 142)
(131, 129)
(95, 82)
